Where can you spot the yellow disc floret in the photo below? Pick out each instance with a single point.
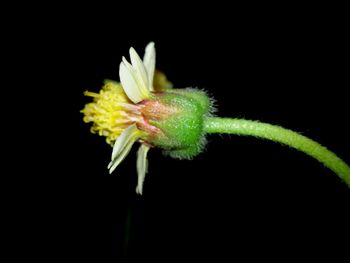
(111, 111)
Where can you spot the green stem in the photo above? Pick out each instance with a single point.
(281, 135)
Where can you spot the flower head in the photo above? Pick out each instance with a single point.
(144, 108)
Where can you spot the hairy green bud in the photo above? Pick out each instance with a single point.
(179, 115)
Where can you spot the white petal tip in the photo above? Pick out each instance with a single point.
(133, 54)
(150, 45)
(138, 191)
(131, 49)
(111, 171)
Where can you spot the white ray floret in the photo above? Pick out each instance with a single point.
(142, 166)
(137, 64)
(122, 146)
(149, 60)
(129, 83)
(134, 78)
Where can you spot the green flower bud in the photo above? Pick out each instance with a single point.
(179, 115)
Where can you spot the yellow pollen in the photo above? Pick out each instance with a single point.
(111, 112)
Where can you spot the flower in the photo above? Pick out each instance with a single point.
(118, 116)
(144, 108)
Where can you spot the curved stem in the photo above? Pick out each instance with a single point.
(281, 135)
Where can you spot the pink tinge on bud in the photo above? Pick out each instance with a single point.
(155, 110)
(148, 128)
(149, 110)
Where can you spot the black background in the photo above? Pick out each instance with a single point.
(241, 197)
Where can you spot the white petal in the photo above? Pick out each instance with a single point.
(121, 157)
(139, 67)
(129, 67)
(129, 83)
(142, 166)
(123, 138)
(149, 60)
(122, 146)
